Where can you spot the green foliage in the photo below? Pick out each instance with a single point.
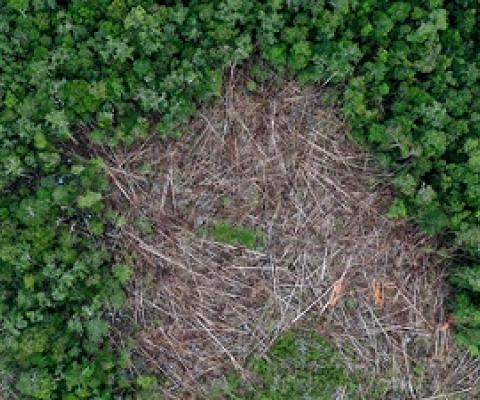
(54, 284)
(146, 382)
(300, 365)
(122, 273)
(467, 310)
(225, 232)
(397, 210)
(89, 199)
(148, 388)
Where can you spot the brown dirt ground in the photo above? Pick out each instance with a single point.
(278, 161)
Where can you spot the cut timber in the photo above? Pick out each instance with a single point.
(278, 162)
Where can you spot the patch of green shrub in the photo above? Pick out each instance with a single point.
(301, 365)
(224, 232)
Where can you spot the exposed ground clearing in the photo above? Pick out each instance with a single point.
(279, 162)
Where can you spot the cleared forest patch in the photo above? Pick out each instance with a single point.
(278, 164)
